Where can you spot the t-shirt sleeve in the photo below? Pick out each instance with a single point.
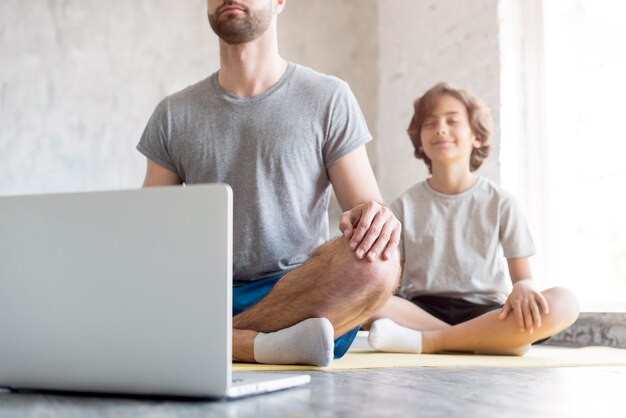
(396, 208)
(346, 128)
(155, 140)
(514, 233)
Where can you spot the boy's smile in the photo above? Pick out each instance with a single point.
(446, 133)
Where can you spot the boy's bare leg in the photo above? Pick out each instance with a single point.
(331, 284)
(407, 314)
(397, 331)
(488, 333)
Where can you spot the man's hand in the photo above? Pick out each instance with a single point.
(525, 302)
(372, 229)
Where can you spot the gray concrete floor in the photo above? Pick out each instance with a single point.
(424, 392)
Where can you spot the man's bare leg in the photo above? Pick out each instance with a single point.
(490, 334)
(243, 345)
(332, 284)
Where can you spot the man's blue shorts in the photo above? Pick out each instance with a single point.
(248, 294)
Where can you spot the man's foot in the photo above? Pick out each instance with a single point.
(386, 335)
(308, 342)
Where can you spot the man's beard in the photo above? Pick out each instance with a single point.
(235, 29)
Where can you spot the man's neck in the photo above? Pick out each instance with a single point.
(452, 179)
(249, 69)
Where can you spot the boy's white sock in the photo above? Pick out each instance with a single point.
(308, 342)
(386, 335)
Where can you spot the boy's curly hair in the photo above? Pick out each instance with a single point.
(479, 116)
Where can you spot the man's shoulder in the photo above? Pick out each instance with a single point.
(191, 93)
(321, 82)
(316, 76)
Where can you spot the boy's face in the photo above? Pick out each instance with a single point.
(446, 135)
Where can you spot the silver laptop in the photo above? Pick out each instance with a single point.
(122, 292)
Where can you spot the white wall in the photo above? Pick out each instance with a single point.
(78, 81)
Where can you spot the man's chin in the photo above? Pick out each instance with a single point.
(234, 41)
(236, 33)
(236, 38)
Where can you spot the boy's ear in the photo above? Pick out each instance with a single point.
(475, 142)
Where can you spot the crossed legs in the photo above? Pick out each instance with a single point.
(484, 334)
(331, 284)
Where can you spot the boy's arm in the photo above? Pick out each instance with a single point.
(525, 300)
(519, 269)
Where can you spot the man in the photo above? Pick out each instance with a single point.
(280, 134)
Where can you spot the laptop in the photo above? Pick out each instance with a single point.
(122, 292)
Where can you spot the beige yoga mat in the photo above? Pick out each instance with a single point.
(538, 356)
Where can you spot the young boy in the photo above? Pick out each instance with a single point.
(456, 225)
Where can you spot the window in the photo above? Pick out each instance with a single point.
(576, 192)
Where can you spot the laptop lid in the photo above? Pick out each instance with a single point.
(118, 292)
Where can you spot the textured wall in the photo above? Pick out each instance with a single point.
(421, 43)
(79, 80)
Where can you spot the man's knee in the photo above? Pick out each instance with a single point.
(381, 273)
(372, 276)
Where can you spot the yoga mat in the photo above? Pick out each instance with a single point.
(538, 356)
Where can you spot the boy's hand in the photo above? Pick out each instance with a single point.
(526, 302)
(373, 230)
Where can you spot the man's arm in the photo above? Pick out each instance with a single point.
(157, 175)
(370, 226)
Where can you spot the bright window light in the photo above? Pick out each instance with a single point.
(584, 165)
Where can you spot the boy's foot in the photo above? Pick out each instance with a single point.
(308, 342)
(386, 335)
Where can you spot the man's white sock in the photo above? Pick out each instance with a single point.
(386, 335)
(308, 342)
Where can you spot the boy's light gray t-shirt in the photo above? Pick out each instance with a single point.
(453, 245)
(273, 149)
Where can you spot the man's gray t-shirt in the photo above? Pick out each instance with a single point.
(273, 149)
(453, 245)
